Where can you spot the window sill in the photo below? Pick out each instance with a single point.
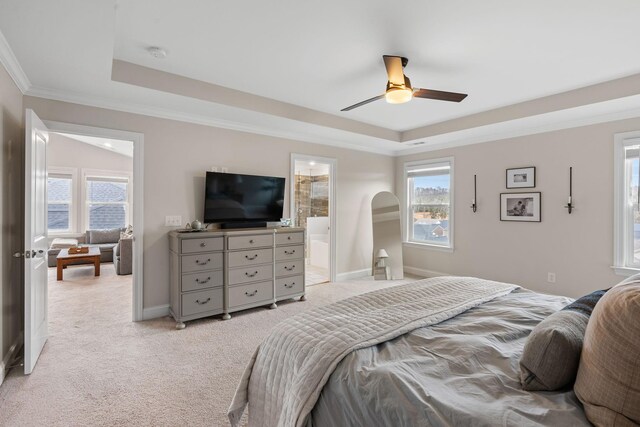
(428, 246)
(625, 271)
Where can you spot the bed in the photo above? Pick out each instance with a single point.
(436, 352)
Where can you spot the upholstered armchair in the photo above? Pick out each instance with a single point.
(123, 257)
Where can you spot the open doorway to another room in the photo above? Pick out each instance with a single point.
(89, 217)
(312, 208)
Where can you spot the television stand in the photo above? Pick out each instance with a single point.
(256, 224)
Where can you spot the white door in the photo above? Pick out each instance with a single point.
(35, 244)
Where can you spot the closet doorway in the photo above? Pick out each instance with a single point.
(313, 208)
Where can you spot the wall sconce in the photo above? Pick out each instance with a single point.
(569, 204)
(474, 206)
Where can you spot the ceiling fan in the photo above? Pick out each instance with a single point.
(399, 88)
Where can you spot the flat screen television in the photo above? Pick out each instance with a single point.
(234, 198)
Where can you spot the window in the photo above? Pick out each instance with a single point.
(107, 202)
(59, 202)
(627, 203)
(429, 195)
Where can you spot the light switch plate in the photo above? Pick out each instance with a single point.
(173, 221)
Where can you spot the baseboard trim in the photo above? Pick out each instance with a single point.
(11, 355)
(351, 275)
(155, 312)
(423, 273)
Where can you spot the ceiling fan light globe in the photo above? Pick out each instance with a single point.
(398, 95)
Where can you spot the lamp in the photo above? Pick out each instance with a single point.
(381, 255)
(399, 93)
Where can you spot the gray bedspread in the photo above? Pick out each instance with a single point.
(461, 372)
(287, 372)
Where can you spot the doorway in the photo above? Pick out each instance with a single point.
(313, 208)
(101, 175)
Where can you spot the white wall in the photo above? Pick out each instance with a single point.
(68, 153)
(177, 155)
(577, 247)
(11, 214)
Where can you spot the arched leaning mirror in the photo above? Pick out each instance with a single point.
(387, 237)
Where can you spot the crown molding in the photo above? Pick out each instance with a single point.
(494, 132)
(11, 64)
(163, 113)
(604, 112)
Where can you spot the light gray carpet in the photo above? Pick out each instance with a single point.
(99, 368)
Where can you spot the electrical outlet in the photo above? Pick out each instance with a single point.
(551, 277)
(173, 221)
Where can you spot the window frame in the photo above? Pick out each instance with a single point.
(100, 174)
(622, 237)
(408, 219)
(72, 173)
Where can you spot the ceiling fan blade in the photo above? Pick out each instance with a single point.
(393, 64)
(360, 104)
(439, 95)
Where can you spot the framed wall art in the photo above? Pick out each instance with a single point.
(521, 177)
(521, 207)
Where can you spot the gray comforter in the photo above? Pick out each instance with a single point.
(286, 374)
(461, 372)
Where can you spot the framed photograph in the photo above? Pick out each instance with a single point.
(523, 207)
(521, 177)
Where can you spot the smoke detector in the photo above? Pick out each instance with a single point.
(157, 52)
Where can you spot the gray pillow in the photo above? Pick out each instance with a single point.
(552, 353)
(104, 236)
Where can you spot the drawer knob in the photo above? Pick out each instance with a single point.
(251, 241)
(290, 286)
(203, 281)
(250, 274)
(203, 302)
(203, 262)
(251, 294)
(290, 252)
(203, 244)
(251, 258)
(288, 237)
(290, 268)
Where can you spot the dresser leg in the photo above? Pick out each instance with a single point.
(226, 316)
(303, 298)
(273, 305)
(180, 325)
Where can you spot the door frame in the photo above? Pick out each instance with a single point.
(333, 165)
(138, 198)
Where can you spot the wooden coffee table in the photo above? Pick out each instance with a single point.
(92, 257)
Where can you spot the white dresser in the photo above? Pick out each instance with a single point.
(222, 271)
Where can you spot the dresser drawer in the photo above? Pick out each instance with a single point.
(199, 302)
(257, 256)
(248, 242)
(290, 238)
(289, 286)
(288, 268)
(250, 274)
(201, 262)
(205, 244)
(196, 281)
(289, 252)
(250, 294)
